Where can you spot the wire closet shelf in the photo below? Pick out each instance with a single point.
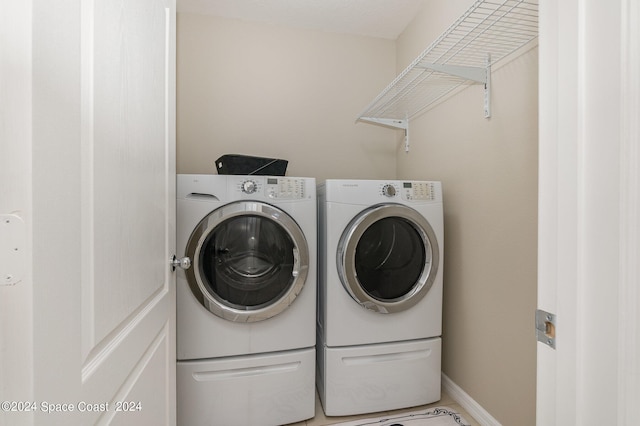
(487, 32)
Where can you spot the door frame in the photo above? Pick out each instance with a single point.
(589, 211)
(16, 301)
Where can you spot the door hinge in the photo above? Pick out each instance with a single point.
(546, 328)
(13, 253)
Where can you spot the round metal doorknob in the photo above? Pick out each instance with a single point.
(184, 263)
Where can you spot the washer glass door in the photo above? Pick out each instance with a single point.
(388, 258)
(250, 261)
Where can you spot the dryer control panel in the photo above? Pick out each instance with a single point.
(410, 191)
(418, 191)
(369, 192)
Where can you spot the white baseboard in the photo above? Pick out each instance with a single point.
(481, 415)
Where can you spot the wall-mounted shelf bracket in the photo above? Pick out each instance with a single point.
(487, 88)
(480, 75)
(477, 74)
(396, 124)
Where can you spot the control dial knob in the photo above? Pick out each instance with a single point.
(249, 187)
(389, 191)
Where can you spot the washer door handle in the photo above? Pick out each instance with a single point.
(184, 263)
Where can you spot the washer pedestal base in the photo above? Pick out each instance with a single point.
(264, 389)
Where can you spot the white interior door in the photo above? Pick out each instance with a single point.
(95, 155)
(589, 221)
(128, 208)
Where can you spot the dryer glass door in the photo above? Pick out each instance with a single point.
(388, 258)
(250, 261)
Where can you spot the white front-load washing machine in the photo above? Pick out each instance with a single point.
(246, 305)
(379, 294)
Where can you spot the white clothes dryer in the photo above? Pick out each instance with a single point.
(380, 294)
(246, 305)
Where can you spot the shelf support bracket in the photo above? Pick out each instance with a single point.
(476, 74)
(396, 124)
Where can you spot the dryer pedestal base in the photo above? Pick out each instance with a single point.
(264, 389)
(369, 378)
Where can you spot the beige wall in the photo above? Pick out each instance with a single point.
(489, 173)
(260, 89)
(280, 92)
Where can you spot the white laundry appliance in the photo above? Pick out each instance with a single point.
(379, 295)
(246, 303)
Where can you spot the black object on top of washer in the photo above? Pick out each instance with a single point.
(236, 164)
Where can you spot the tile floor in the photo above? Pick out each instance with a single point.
(321, 420)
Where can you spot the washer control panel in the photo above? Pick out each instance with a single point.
(285, 188)
(273, 188)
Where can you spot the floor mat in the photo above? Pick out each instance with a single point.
(438, 416)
